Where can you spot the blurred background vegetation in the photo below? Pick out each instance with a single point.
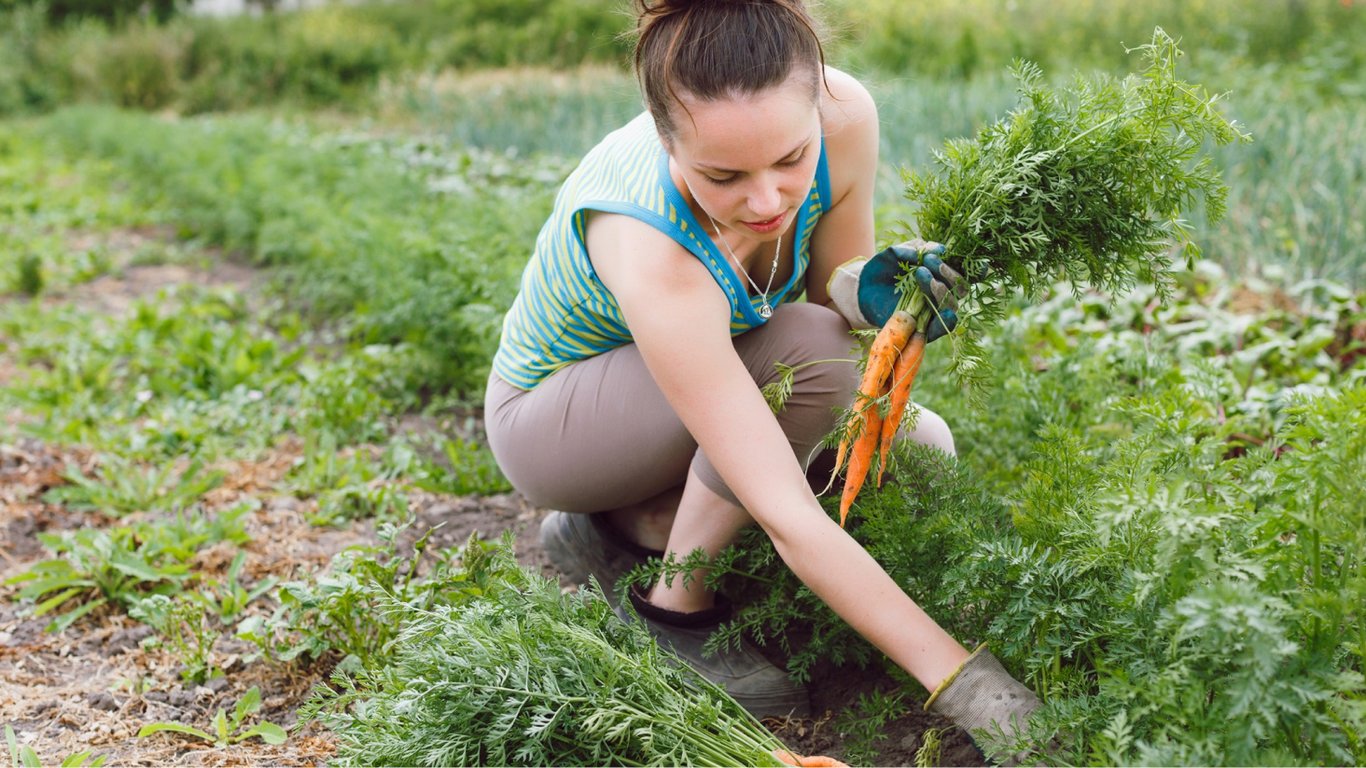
(157, 54)
(423, 139)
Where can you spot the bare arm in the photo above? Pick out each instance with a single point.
(679, 318)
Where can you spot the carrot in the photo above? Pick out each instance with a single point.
(860, 459)
(881, 358)
(903, 376)
(812, 761)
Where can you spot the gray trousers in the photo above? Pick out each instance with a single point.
(598, 434)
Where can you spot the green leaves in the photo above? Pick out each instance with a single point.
(226, 731)
(532, 676)
(1090, 184)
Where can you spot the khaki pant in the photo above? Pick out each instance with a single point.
(598, 434)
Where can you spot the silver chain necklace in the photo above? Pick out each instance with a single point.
(765, 309)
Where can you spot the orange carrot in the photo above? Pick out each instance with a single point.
(881, 357)
(812, 761)
(860, 458)
(903, 376)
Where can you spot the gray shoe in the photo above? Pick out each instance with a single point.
(760, 687)
(580, 546)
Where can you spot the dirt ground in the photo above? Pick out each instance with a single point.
(93, 686)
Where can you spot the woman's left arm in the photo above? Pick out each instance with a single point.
(845, 231)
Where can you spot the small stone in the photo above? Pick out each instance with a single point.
(102, 700)
(217, 684)
(181, 698)
(159, 697)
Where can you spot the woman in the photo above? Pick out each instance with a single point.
(626, 389)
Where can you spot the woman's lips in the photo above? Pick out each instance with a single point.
(765, 226)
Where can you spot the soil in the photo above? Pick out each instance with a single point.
(94, 686)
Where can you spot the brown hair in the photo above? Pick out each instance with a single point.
(712, 49)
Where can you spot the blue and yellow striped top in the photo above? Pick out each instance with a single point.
(563, 312)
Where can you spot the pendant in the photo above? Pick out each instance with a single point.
(765, 311)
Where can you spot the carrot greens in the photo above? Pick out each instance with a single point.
(532, 676)
(1090, 183)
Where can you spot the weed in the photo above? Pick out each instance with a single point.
(25, 757)
(227, 599)
(184, 625)
(227, 730)
(123, 487)
(469, 468)
(336, 610)
(863, 727)
(122, 565)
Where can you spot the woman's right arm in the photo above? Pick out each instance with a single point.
(680, 320)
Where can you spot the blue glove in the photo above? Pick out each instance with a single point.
(877, 295)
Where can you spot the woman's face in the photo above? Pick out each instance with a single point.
(749, 160)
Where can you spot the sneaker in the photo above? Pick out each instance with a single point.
(751, 679)
(584, 545)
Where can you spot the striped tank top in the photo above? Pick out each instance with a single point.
(563, 313)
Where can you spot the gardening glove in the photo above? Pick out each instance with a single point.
(864, 290)
(982, 696)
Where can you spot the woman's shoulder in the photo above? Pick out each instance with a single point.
(845, 102)
(849, 122)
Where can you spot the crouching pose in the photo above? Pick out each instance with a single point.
(626, 389)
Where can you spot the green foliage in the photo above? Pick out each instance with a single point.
(468, 468)
(227, 731)
(336, 213)
(336, 610)
(940, 39)
(25, 757)
(863, 727)
(98, 566)
(61, 11)
(136, 67)
(529, 675)
(1091, 183)
(1156, 524)
(124, 488)
(30, 280)
(184, 626)
(186, 623)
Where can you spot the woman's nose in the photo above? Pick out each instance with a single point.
(766, 201)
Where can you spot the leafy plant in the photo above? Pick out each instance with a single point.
(227, 730)
(863, 726)
(124, 488)
(120, 565)
(529, 675)
(469, 468)
(182, 622)
(1157, 547)
(1090, 183)
(227, 599)
(336, 610)
(25, 757)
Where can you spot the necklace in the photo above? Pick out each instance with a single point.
(765, 309)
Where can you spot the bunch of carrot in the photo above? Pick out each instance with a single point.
(893, 362)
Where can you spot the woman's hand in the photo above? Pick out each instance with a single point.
(865, 290)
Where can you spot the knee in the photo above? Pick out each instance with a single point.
(931, 429)
(821, 333)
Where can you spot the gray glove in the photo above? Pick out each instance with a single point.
(982, 696)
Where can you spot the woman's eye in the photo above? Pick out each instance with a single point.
(794, 161)
(721, 181)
